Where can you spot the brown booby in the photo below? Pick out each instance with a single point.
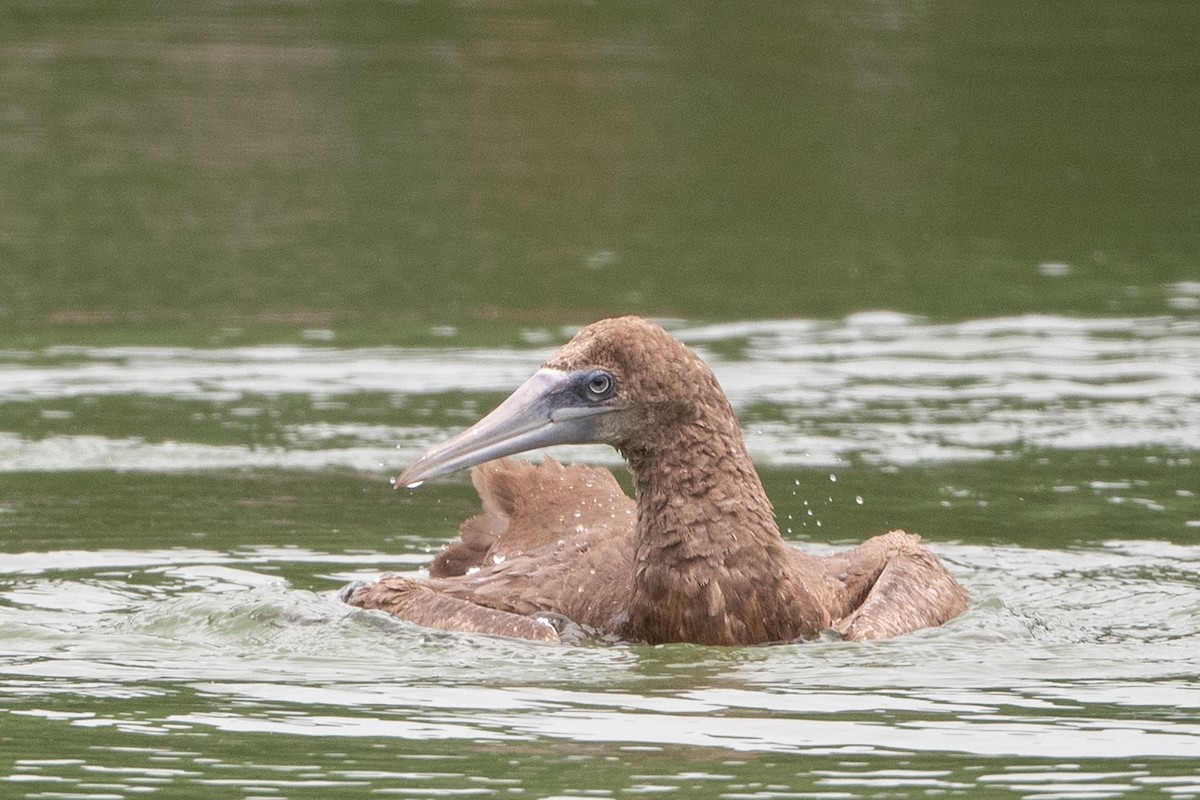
(696, 558)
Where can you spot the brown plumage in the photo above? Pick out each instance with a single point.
(699, 557)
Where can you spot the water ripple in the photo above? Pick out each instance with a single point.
(887, 388)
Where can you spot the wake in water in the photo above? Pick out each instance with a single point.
(1054, 641)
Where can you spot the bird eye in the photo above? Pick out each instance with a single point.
(599, 385)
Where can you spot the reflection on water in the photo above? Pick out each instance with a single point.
(885, 388)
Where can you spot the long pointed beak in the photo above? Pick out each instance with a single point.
(545, 410)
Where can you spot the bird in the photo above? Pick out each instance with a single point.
(696, 556)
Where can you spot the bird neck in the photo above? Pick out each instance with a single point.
(699, 485)
(709, 564)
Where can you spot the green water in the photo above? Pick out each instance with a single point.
(944, 258)
(170, 170)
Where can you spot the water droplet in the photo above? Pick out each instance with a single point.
(414, 485)
(858, 499)
(832, 478)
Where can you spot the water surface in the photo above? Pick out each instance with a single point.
(256, 256)
(170, 168)
(177, 522)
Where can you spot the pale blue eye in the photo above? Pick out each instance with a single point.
(599, 385)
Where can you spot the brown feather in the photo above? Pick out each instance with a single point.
(700, 559)
(526, 507)
(419, 602)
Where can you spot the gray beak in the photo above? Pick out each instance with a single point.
(550, 408)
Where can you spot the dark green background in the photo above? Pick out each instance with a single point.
(169, 169)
